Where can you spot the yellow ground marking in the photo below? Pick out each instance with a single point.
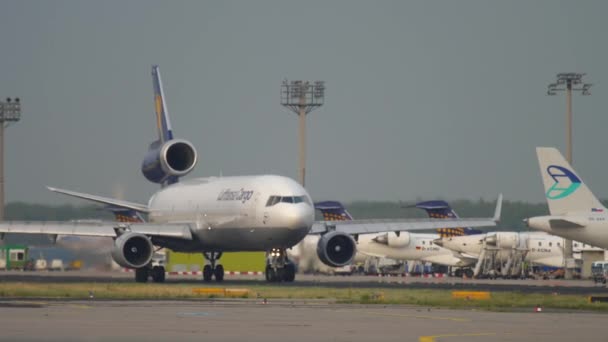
(443, 318)
(221, 291)
(79, 306)
(471, 294)
(432, 338)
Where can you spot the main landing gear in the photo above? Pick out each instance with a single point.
(156, 272)
(212, 269)
(279, 267)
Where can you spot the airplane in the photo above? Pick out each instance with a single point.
(394, 245)
(575, 213)
(213, 215)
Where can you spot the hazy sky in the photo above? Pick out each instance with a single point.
(424, 99)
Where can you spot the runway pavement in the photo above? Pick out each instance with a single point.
(294, 321)
(527, 286)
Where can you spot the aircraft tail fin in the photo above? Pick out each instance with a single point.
(565, 191)
(333, 211)
(442, 210)
(160, 106)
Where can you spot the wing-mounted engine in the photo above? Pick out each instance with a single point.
(503, 240)
(175, 158)
(336, 249)
(394, 240)
(132, 250)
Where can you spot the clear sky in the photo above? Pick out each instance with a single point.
(424, 98)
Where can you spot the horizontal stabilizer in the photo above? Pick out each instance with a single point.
(105, 200)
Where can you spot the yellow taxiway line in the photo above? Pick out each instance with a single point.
(432, 338)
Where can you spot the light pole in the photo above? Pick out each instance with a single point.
(10, 111)
(568, 82)
(302, 97)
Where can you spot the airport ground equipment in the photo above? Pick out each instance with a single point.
(15, 257)
(599, 271)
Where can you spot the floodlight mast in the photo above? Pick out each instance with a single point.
(10, 111)
(568, 82)
(302, 97)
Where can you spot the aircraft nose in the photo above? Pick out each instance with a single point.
(298, 216)
(438, 242)
(526, 221)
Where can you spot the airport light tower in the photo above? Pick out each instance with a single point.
(302, 97)
(568, 82)
(10, 111)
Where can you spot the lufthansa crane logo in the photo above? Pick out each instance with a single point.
(566, 182)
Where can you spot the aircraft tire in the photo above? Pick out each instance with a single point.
(141, 275)
(289, 273)
(207, 273)
(219, 273)
(158, 274)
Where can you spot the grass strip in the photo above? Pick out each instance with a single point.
(429, 298)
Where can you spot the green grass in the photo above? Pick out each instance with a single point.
(499, 301)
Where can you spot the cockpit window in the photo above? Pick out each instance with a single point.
(272, 200)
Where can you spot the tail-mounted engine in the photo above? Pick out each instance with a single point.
(174, 158)
(132, 250)
(395, 240)
(503, 240)
(336, 249)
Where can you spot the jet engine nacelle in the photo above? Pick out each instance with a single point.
(132, 250)
(336, 249)
(503, 240)
(394, 240)
(176, 157)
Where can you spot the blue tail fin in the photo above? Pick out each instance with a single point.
(160, 106)
(333, 211)
(125, 214)
(442, 210)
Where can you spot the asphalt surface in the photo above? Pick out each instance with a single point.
(294, 321)
(448, 283)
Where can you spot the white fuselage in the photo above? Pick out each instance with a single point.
(540, 248)
(419, 247)
(231, 213)
(591, 228)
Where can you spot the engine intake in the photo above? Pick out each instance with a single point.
(174, 158)
(336, 249)
(132, 250)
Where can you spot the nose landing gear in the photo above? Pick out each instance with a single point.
(212, 269)
(278, 267)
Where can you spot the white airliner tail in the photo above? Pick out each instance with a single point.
(564, 189)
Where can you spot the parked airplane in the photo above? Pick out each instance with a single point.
(393, 245)
(217, 214)
(536, 247)
(575, 213)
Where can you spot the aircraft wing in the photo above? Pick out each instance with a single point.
(397, 225)
(105, 200)
(108, 229)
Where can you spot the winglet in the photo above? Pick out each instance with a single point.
(498, 209)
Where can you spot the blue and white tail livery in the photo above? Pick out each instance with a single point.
(564, 189)
(160, 107)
